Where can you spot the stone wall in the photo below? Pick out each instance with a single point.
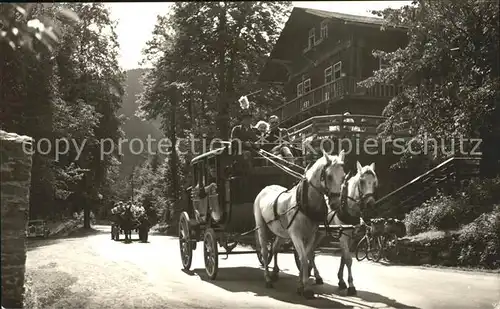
(15, 185)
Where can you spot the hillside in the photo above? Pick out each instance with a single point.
(133, 126)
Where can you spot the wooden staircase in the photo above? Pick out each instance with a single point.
(414, 193)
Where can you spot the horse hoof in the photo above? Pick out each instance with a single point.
(342, 285)
(351, 291)
(308, 294)
(319, 281)
(269, 285)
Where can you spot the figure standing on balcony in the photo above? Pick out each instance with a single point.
(281, 139)
(348, 119)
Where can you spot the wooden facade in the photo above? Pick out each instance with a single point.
(321, 56)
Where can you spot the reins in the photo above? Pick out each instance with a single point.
(322, 190)
(345, 195)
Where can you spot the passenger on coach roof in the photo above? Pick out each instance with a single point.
(262, 129)
(245, 134)
(280, 137)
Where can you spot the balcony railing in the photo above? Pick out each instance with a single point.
(362, 126)
(333, 91)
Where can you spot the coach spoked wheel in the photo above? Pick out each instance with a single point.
(297, 262)
(185, 242)
(211, 253)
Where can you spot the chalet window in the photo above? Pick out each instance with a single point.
(324, 29)
(312, 38)
(307, 85)
(383, 64)
(300, 89)
(328, 75)
(337, 70)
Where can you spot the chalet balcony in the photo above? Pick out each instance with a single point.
(340, 126)
(333, 91)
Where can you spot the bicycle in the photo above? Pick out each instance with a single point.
(367, 247)
(380, 241)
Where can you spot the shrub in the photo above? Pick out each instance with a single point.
(480, 241)
(417, 221)
(481, 195)
(438, 213)
(444, 213)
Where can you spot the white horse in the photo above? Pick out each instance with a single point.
(296, 214)
(360, 193)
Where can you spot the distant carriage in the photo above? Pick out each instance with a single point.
(125, 222)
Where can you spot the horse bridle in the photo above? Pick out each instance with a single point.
(362, 197)
(323, 189)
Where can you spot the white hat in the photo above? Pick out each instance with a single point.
(244, 103)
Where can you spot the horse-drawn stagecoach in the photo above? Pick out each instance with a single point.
(220, 205)
(219, 208)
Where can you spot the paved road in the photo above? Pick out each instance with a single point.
(96, 272)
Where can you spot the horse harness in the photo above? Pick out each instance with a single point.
(302, 200)
(342, 212)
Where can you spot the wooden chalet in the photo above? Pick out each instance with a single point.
(319, 58)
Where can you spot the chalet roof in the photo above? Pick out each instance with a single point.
(294, 22)
(345, 17)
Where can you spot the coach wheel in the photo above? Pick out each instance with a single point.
(211, 253)
(185, 244)
(297, 262)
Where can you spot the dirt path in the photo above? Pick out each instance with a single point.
(96, 272)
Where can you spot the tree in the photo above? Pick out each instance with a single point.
(69, 90)
(23, 25)
(218, 66)
(449, 71)
(27, 38)
(91, 75)
(195, 77)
